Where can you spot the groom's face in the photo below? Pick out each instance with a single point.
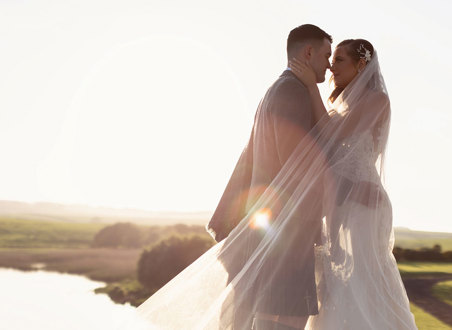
(320, 59)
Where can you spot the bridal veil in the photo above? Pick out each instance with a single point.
(337, 169)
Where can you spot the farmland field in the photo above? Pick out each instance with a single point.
(17, 233)
(425, 321)
(443, 291)
(67, 247)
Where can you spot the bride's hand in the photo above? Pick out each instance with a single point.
(303, 71)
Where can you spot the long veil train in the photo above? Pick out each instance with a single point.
(337, 168)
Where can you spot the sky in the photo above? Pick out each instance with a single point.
(148, 104)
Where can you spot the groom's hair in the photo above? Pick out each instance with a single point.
(303, 34)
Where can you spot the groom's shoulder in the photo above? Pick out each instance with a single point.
(288, 85)
(287, 97)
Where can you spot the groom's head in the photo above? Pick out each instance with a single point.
(310, 43)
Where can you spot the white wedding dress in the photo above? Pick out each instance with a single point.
(359, 285)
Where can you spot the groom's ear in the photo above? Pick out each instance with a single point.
(307, 52)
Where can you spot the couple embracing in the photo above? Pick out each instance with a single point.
(304, 225)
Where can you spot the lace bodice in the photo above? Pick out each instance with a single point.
(355, 158)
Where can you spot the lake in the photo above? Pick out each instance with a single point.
(49, 300)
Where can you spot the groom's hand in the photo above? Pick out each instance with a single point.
(369, 194)
(365, 192)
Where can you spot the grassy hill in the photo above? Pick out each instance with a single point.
(65, 247)
(411, 239)
(17, 233)
(30, 234)
(90, 214)
(27, 233)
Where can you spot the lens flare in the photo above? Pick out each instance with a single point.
(261, 219)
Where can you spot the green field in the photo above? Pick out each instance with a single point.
(66, 247)
(443, 291)
(16, 233)
(19, 233)
(425, 321)
(420, 269)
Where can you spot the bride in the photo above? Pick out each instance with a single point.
(358, 280)
(358, 283)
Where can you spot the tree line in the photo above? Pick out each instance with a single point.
(423, 254)
(128, 235)
(167, 250)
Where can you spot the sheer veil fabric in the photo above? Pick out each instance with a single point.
(336, 168)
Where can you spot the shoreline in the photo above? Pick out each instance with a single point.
(115, 267)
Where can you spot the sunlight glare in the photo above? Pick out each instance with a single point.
(262, 218)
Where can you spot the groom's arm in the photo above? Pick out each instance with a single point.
(293, 122)
(232, 206)
(292, 117)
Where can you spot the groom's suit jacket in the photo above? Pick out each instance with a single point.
(283, 118)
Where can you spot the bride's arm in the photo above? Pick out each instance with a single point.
(308, 78)
(343, 126)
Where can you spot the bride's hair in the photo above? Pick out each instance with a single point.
(302, 34)
(352, 47)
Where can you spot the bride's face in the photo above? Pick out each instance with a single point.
(343, 67)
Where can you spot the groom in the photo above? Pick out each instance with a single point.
(284, 117)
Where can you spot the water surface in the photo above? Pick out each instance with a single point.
(54, 301)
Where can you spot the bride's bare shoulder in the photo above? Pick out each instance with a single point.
(379, 98)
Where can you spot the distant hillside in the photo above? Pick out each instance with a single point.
(20, 233)
(405, 238)
(17, 233)
(411, 239)
(88, 214)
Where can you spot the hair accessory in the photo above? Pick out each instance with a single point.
(364, 53)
